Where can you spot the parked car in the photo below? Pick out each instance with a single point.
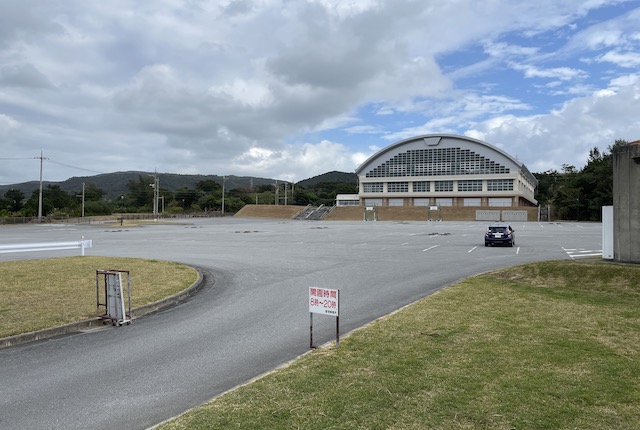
(500, 233)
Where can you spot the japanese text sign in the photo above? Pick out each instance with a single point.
(324, 301)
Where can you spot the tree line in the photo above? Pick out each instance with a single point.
(207, 196)
(571, 194)
(579, 194)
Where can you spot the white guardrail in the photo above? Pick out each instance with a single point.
(47, 246)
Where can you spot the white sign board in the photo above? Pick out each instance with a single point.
(115, 298)
(324, 301)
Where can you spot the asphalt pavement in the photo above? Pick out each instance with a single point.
(251, 316)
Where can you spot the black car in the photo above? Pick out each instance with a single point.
(500, 233)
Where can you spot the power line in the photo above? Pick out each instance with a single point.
(13, 158)
(52, 161)
(73, 167)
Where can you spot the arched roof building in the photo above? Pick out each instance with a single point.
(445, 170)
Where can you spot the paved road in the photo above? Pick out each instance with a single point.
(254, 317)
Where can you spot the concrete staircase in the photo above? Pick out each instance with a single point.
(313, 213)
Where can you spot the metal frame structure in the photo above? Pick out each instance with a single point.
(116, 320)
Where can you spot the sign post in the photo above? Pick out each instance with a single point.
(324, 301)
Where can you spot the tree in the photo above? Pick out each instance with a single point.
(99, 207)
(579, 194)
(186, 197)
(208, 186)
(13, 200)
(140, 192)
(92, 192)
(54, 200)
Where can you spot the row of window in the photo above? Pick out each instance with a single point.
(438, 186)
(442, 201)
(437, 162)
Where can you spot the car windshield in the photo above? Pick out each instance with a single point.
(498, 229)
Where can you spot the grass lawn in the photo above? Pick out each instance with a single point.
(553, 345)
(36, 294)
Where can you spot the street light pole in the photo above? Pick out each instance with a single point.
(156, 194)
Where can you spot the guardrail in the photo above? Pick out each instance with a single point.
(46, 246)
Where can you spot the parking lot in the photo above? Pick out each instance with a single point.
(253, 318)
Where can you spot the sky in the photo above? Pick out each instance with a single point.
(289, 90)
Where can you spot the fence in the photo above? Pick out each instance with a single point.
(46, 246)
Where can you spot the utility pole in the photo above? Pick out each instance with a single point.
(41, 157)
(83, 199)
(156, 193)
(285, 193)
(224, 179)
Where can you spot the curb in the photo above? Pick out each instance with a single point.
(138, 312)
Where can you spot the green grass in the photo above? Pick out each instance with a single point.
(37, 294)
(552, 345)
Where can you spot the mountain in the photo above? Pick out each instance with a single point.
(115, 184)
(334, 176)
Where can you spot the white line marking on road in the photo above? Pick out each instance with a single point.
(471, 250)
(580, 252)
(518, 251)
(406, 243)
(431, 247)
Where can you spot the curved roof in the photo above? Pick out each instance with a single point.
(434, 139)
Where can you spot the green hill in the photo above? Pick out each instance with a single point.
(328, 177)
(115, 184)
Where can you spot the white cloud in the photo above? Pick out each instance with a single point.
(296, 162)
(562, 73)
(622, 59)
(565, 135)
(293, 89)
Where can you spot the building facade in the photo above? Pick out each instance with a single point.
(445, 170)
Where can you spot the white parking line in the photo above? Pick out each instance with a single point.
(431, 247)
(471, 250)
(581, 253)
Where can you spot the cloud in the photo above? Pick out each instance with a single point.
(23, 75)
(622, 59)
(293, 89)
(296, 162)
(569, 132)
(562, 73)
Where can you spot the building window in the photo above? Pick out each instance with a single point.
(397, 187)
(443, 186)
(473, 202)
(436, 162)
(473, 185)
(373, 202)
(421, 202)
(396, 202)
(421, 187)
(372, 187)
(348, 202)
(500, 185)
(442, 201)
(500, 201)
